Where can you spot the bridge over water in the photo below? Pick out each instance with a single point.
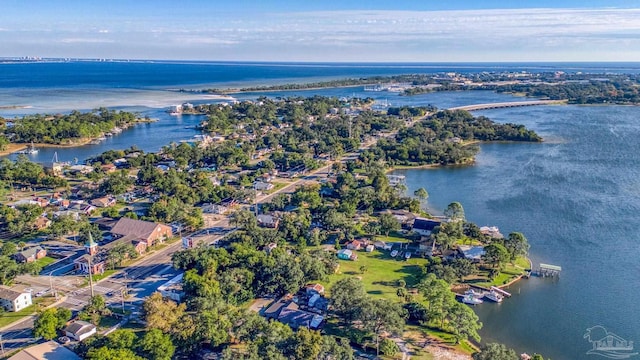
(507, 105)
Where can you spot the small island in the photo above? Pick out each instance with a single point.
(73, 129)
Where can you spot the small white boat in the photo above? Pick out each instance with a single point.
(494, 296)
(471, 300)
(407, 255)
(394, 253)
(472, 292)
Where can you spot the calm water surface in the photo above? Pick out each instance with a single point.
(577, 198)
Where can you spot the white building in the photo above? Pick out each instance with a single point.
(262, 186)
(80, 330)
(172, 289)
(14, 301)
(395, 180)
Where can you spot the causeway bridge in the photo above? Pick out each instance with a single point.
(507, 105)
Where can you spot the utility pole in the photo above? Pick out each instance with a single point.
(90, 275)
(91, 265)
(53, 290)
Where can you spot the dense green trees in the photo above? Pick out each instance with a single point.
(27, 173)
(493, 351)
(64, 129)
(50, 321)
(440, 139)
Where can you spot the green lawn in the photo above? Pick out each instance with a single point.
(108, 321)
(393, 238)
(382, 274)
(9, 317)
(509, 273)
(103, 275)
(45, 261)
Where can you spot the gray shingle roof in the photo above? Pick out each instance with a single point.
(8, 294)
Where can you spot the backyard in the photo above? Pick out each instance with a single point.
(381, 272)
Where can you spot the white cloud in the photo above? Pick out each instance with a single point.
(85, 40)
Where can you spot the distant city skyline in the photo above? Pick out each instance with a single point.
(327, 31)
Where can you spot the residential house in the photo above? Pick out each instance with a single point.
(149, 232)
(81, 264)
(268, 221)
(395, 180)
(314, 289)
(80, 330)
(262, 186)
(109, 168)
(49, 350)
(270, 247)
(31, 254)
(214, 209)
(298, 318)
(103, 202)
(42, 223)
(404, 217)
(424, 226)
(81, 207)
(288, 312)
(382, 245)
(370, 248)
(355, 245)
(73, 214)
(14, 301)
(492, 231)
(346, 254)
(82, 169)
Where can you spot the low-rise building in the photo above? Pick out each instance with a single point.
(268, 221)
(424, 226)
(31, 254)
(42, 223)
(346, 254)
(49, 350)
(80, 330)
(172, 289)
(12, 300)
(103, 202)
(262, 186)
(82, 264)
(136, 230)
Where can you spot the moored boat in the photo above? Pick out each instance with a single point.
(494, 296)
(471, 300)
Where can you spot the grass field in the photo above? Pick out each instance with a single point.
(382, 272)
(9, 317)
(45, 261)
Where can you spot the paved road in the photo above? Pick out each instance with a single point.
(145, 276)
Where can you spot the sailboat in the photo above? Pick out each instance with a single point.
(31, 150)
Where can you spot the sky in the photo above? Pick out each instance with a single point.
(323, 30)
